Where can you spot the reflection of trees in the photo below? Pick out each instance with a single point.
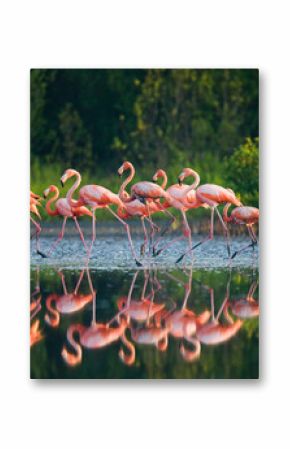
(238, 358)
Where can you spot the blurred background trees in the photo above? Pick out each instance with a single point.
(93, 120)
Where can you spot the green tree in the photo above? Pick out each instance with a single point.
(242, 171)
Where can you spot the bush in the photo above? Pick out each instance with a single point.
(242, 171)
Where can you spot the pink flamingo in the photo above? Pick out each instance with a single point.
(182, 197)
(96, 197)
(67, 303)
(149, 191)
(133, 207)
(243, 215)
(66, 210)
(212, 195)
(34, 204)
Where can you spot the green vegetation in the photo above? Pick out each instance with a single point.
(93, 120)
(242, 171)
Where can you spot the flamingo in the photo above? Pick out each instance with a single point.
(212, 195)
(34, 204)
(243, 215)
(133, 207)
(67, 303)
(96, 197)
(66, 210)
(182, 197)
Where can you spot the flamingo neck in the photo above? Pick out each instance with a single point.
(50, 211)
(196, 182)
(163, 175)
(129, 178)
(73, 189)
(227, 218)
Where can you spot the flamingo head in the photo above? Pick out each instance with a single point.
(185, 172)
(67, 175)
(124, 167)
(49, 189)
(158, 174)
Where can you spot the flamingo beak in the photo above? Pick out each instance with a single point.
(45, 193)
(179, 182)
(61, 182)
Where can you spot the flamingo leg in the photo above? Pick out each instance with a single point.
(37, 234)
(164, 230)
(226, 231)
(93, 234)
(253, 243)
(127, 227)
(151, 235)
(143, 246)
(209, 237)
(60, 237)
(80, 232)
(153, 224)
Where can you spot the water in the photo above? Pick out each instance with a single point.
(161, 348)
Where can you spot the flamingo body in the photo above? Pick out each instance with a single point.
(245, 215)
(213, 195)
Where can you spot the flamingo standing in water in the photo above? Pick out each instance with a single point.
(67, 303)
(243, 215)
(66, 210)
(96, 197)
(182, 197)
(135, 207)
(213, 195)
(34, 204)
(149, 191)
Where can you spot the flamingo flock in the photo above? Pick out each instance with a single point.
(145, 199)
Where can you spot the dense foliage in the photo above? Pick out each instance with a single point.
(94, 119)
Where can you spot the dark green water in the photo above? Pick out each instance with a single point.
(237, 358)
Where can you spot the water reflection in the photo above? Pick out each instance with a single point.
(146, 324)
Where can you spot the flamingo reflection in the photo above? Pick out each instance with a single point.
(96, 336)
(246, 307)
(215, 332)
(67, 303)
(36, 334)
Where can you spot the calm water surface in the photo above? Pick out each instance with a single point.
(153, 324)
